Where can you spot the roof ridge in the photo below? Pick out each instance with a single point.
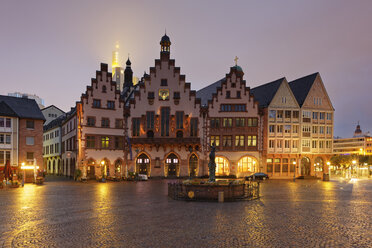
(269, 83)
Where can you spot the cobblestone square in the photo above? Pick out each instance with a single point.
(307, 213)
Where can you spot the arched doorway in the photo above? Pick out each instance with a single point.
(143, 164)
(222, 166)
(305, 166)
(172, 164)
(193, 165)
(90, 169)
(59, 167)
(247, 165)
(118, 169)
(318, 164)
(54, 167)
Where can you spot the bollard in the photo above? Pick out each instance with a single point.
(220, 196)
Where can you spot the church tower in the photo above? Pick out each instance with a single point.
(165, 47)
(128, 75)
(117, 70)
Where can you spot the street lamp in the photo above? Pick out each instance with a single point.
(104, 168)
(329, 168)
(294, 171)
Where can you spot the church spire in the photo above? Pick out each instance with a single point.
(165, 44)
(128, 74)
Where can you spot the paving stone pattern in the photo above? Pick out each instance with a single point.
(139, 214)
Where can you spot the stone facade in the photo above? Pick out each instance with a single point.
(100, 127)
(234, 126)
(164, 123)
(162, 128)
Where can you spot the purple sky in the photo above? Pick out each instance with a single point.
(53, 48)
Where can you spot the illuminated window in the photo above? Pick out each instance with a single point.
(105, 142)
(222, 166)
(227, 122)
(239, 140)
(215, 140)
(252, 122)
(227, 140)
(247, 164)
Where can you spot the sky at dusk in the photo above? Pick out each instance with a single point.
(53, 48)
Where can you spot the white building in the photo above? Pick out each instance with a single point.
(50, 113)
(52, 146)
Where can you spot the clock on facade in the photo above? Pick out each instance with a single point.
(163, 94)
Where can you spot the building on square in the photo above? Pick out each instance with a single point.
(316, 126)
(21, 134)
(162, 128)
(281, 128)
(51, 113)
(164, 124)
(233, 124)
(52, 146)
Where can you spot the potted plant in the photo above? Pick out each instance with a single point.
(78, 174)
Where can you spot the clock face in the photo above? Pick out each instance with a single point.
(164, 94)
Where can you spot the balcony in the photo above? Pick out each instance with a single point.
(163, 140)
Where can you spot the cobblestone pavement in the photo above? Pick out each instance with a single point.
(139, 214)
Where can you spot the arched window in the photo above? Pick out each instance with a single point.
(222, 166)
(247, 164)
(104, 89)
(193, 165)
(318, 164)
(118, 164)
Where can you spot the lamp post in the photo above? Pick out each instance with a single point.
(329, 169)
(294, 171)
(104, 169)
(354, 163)
(24, 175)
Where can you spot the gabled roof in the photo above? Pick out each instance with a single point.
(54, 123)
(50, 106)
(301, 87)
(23, 107)
(265, 93)
(206, 93)
(5, 110)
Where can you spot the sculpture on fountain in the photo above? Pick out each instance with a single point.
(212, 164)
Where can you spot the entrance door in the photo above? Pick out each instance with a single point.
(172, 163)
(143, 164)
(193, 165)
(305, 166)
(90, 172)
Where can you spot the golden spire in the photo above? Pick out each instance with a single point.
(115, 57)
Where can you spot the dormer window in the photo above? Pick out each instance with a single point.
(164, 82)
(103, 89)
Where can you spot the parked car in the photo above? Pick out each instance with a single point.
(142, 177)
(257, 176)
